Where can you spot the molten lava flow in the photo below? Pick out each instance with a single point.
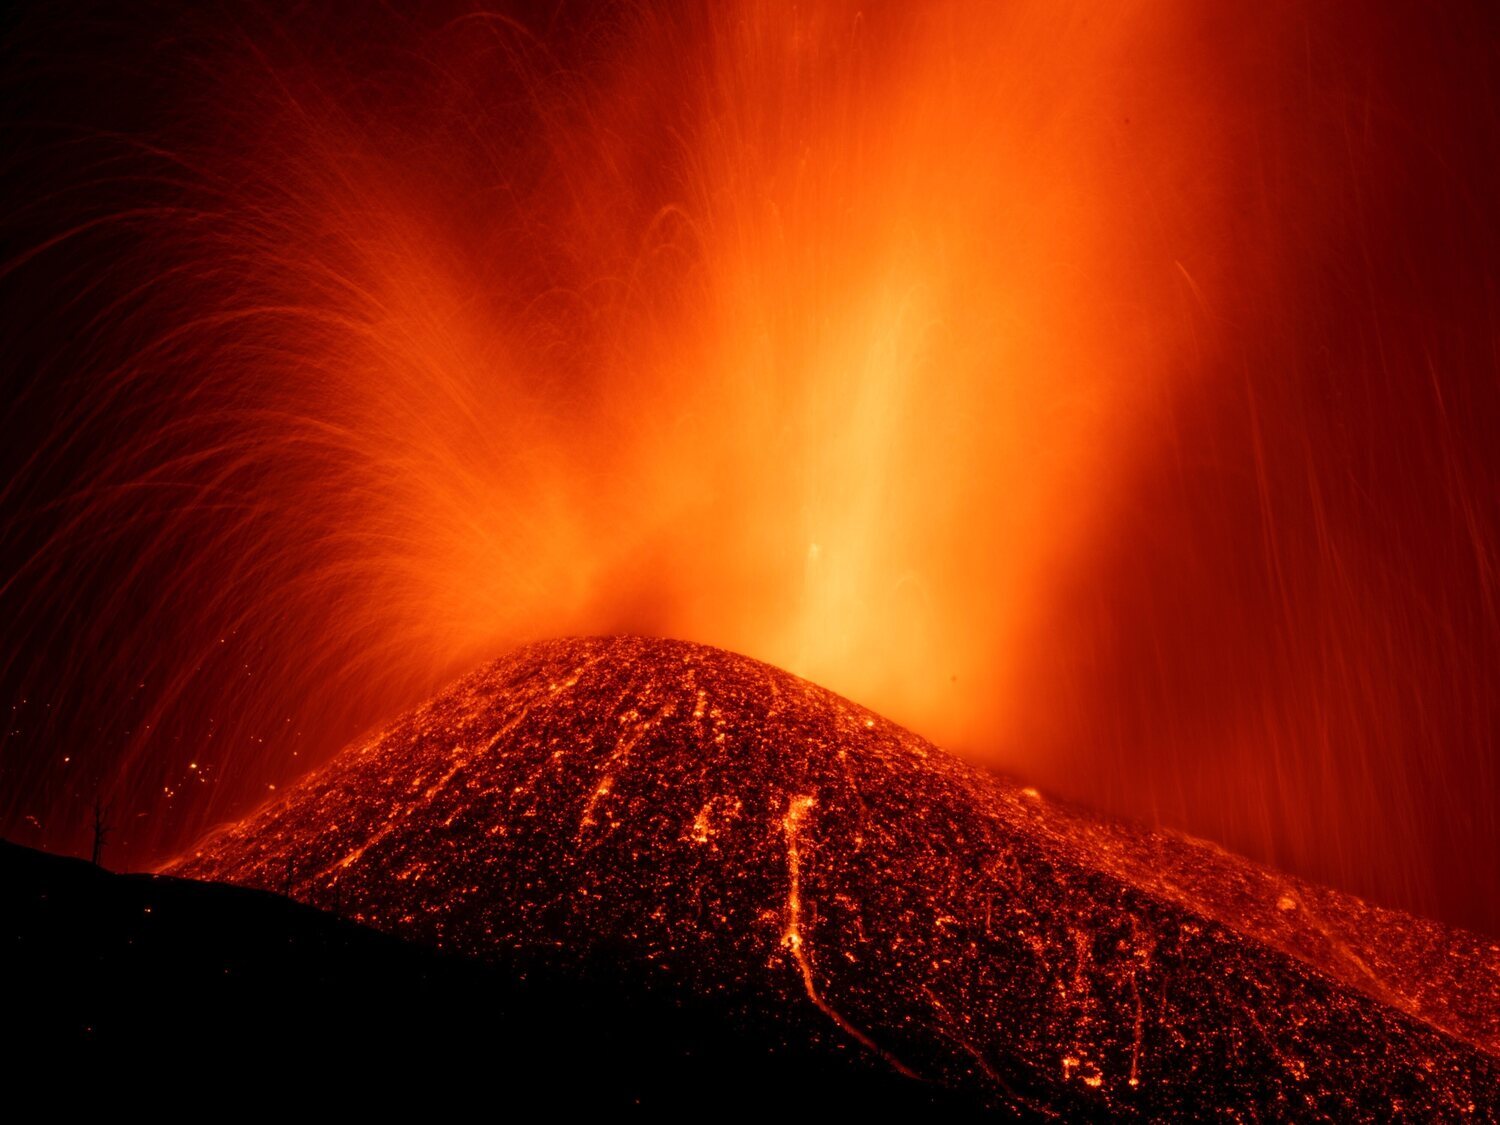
(731, 830)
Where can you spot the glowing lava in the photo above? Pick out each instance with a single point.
(749, 837)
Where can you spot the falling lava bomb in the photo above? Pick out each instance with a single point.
(748, 839)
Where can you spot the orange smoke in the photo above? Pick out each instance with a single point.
(824, 344)
(932, 286)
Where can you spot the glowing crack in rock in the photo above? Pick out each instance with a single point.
(762, 844)
(792, 939)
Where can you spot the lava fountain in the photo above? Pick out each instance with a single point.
(1104, 394)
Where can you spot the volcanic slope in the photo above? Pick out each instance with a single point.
(726, 832)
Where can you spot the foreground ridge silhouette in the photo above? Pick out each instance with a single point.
(726, 831)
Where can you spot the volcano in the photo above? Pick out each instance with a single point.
(722, 831)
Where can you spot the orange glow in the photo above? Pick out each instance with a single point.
(875, 419)
(805, 373)
(1101, 392)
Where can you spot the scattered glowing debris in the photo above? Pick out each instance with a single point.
(938, 920)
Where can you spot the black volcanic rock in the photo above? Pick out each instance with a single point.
(130, 990)
(727, 834)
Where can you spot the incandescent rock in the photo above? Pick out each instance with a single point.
(726, 830)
